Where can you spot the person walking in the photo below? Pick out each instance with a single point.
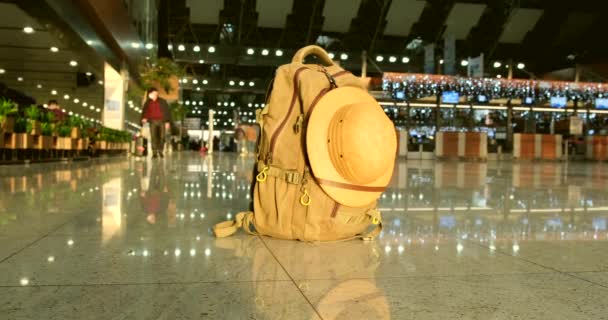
(156, 112)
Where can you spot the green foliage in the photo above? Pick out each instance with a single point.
(33, 113)
(159, 70)
(47, 117)
(21, 125)
(47, 129)
(178, 111)
(111, 135)
(64, 130)
(7, 107)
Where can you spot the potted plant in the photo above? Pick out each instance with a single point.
(46, 138)
(33, 116)
(21, 139)
(76, 124)
(163, 74)
(64, 140)
(7, 109)
(7, 123)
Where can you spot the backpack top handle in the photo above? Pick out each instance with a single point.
(313, 50)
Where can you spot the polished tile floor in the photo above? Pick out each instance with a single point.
(131, 239)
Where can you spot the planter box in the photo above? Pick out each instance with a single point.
(43, 142)
(101, 145)
(75, 134)
(36, 128)
(18, 141)
(8, 125)
(66, 143)
(82, 144)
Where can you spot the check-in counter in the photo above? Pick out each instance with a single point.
(529, 146)
(462, 145)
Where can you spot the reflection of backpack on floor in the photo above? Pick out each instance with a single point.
(326, 152)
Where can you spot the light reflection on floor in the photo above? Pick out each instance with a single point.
(131, 239)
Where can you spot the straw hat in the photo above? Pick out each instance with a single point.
(351, 146)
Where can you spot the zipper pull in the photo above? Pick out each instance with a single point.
(298, 126)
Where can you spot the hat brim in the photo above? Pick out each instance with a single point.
(338, 188)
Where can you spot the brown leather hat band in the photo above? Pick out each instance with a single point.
(341, 185)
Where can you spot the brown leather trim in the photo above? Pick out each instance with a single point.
(275, 134)
(334, 211)
(353, 187)
(341, 73)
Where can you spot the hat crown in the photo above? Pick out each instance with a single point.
(361, 142)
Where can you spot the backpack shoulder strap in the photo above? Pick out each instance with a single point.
(228, 228)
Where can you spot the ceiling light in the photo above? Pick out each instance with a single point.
(92, 107)
(2, 71)
(392, 59)
(405, 60)
(250, 105)
(196, 49)
(379, 58)
(231, 82)
(73, 63)
(100, 82)
(39, 86)
(219, 104)
(225, 104)
(241, 83)
(201, 61)
(232, 104)
(20, 79)
(250, 51)
(84, 104)
(205, 81)
(149, 46)
(170, 46)
(53, 92)
(498, 76)
(54, 49)
(497, 64)
(198, 88)
(520, 66)
(135, 45)
(265, 52)
(71, 113)
(181, 47)
(28, 30)
(211, 49)
(76, 100)
(343, 56)
(185, 80)
(279, 53)
(441, 61)
(332, 55)
(251, 83)
(89, 74)
(89, 42)
(464, 63)
(194, 81)
(66, 97)
(97, 110)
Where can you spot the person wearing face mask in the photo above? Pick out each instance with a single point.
(156, 112)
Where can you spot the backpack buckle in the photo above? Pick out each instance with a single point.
(292, 177)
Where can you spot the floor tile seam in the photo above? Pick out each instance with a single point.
(68, 220)
(430, 276)
(291, 278)
(134, 284)
(544, 266)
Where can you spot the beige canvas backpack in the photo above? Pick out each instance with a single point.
(287, 201)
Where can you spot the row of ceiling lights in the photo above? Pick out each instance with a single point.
(205, 82)
(76, 101)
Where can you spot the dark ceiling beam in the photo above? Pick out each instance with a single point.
(367, 26)
(304, 23)
(537, 46)
(431, 23)
(483, 38)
